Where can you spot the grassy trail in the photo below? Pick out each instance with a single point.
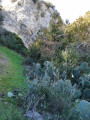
(11, 70)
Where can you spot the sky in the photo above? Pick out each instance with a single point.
(71, 9)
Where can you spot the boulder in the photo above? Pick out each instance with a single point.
(10, 94)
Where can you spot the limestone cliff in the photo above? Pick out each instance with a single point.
(26, 17)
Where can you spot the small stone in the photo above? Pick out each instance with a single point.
(10, 94)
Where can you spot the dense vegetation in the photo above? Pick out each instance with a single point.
(60, 83)
(1, 16)
(80, 29)
(59, 95)
(12, 41)
(57, 67)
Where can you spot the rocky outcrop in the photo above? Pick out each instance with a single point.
(26, 17)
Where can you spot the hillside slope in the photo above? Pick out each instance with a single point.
(11, 70)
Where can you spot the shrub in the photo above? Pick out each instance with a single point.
(55, 32)
(48, 4)
(1, 16)
(12, 41)
(42, 14)
(35, 1)
(66, 58)
(81, 111)
(45, 72)
(36, 54)
(57, 95)
(78, 30)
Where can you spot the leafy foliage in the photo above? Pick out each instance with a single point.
(55, 33)
(12, 41)
(1, 16)
(49, 4)
(79, 30)
(35, 1)
(58, 95)
(81, 111)
(48, 71)
(36, 54)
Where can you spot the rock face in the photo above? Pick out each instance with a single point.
(26, 17)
